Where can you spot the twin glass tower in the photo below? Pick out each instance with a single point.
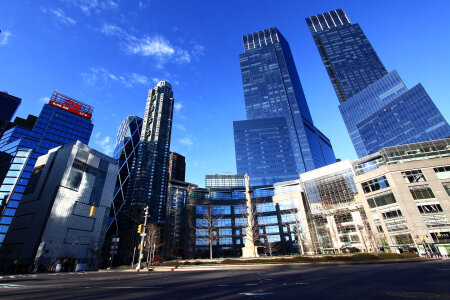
(377, 107)
(278, 141)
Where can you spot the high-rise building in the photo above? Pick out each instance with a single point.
(177, 167)
(272, 90)
(127, 142)
(371, 99)
(56, 223)
(8, 104)
(149, 174)
(62, 121)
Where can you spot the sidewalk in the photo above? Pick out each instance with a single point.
(255, 266)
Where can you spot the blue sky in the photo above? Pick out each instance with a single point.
(110, 53)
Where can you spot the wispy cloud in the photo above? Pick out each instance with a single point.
(44, 99)
(89, 7)
(60, 16)
(143, 4)
(4, 37)
(177, 106)
(156, 46)
(105, 144)
(186, 141)
(101, 77)
(180, 126)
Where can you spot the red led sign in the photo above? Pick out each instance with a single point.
(71, 105)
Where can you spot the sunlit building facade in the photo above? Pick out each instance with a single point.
(62, 121)
(55, 228)
(406, 191)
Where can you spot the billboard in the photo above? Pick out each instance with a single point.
(71, 105)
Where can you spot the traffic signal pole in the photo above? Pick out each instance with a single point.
(138, 267)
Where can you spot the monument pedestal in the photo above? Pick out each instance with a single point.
(249, 251)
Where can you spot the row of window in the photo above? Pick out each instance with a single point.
(375, 184)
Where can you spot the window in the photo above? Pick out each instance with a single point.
(221, 210)
(429, 208)
(201, 209)
(240, 221)
(375, 184)
(226, 241)
(413, 176)
(435, 220)
(390, 213)
(396, 225)
(421, 192)
(381, 200)
(403, 239)
(380, 228)
(447, 187)
(442, 172)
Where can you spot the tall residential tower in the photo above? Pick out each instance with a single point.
(278, 141)
(149, 173)
(377, 107)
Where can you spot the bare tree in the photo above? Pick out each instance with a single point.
(152, 242)
(211, 225)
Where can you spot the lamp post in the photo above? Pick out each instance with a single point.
(138, 267)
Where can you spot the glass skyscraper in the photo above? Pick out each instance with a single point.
(371, 99)
(149, 172)
(277, 112)
(62, 121)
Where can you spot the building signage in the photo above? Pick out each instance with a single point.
(72, 106)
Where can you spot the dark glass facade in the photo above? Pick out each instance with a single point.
(373, 102)
(149, 172)
(263, 147)
(55, 126)
(349, 58)
(8, 104)
(177, 167)
(410, 118)
(127, 142)
(272, 89)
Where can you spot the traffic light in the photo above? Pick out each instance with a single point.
(92, 212)
(139, 228)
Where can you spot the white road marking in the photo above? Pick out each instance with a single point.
(301, 283)
(223, 285)
(255, 294)
(251, 284)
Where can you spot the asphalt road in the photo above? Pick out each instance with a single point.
(421, 280)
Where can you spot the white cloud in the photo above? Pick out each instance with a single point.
(44, 99)
(100, 77)
(186, 141)
(155, 80)
(177, 106)
(151, 46)
(111, 29)
(60, 16)
(155, 46)
(93, 6)
(4, 36)
(144, 4)
(183, 56)
(105, 144)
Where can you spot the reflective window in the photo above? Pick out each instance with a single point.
(413, 176)
(442, 172)
(381, 200)
(429, 208)
(421, 192)
(375, 184)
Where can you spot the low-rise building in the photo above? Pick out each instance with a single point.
(405, 191)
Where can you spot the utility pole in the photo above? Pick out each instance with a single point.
(142, 239)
